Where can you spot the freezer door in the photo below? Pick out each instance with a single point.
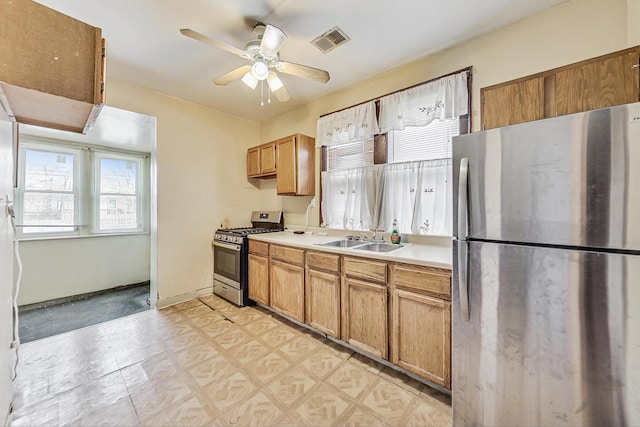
(572, 180)
(553, 338)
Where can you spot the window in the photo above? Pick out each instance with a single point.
(353, 154)
(429, 142)
(412, 186)
(60, 194)
(118, 190)
(50, 190)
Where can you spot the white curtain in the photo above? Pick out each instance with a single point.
(442, 99)
(418, 195)
(359, 122)
(349, 197)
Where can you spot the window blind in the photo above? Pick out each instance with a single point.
(429, 142)
(354, 154)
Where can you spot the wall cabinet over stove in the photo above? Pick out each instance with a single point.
(291, 160)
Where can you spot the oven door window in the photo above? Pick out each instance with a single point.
(227, 261)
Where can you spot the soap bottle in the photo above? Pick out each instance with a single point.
(395, 235)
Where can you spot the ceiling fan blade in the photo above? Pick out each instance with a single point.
(201, 37)
(272, 40)
(277, 87)
(282, 94)
(232, 75)
(303, 71)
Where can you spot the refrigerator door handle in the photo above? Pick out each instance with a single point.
(463, 279)
(463, 232)
(463, 200)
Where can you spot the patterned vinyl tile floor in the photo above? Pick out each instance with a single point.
(207, 362)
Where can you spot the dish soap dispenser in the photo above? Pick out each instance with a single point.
(395, 235)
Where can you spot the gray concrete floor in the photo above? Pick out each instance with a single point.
(55, 317)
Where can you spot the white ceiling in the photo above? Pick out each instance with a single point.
(145, 47)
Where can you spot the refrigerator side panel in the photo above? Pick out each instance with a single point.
(572, 180)
(553, 338)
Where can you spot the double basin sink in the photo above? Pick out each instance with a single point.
(363, 245)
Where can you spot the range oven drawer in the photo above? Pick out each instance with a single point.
(228, 292)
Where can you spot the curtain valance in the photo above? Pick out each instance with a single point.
(445, 98)
(354, 123)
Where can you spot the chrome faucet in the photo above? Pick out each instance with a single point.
(373, 237)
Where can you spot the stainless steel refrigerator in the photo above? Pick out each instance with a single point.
(546, 282)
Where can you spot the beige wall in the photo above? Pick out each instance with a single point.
(570, 32)
(201, 181)
(57, 268)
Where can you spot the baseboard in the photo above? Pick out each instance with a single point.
(177, 299)
(49, 303)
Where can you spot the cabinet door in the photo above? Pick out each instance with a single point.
(287, 289)
(604, 83)
(286, 179)
(259, 279)
(364, 310)
(253, 161)
(268, 159)
(513, 103)
(421, 342)
(322, 301)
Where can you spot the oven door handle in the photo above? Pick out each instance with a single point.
(231, 246)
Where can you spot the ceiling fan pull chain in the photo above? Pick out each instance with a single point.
(261, 92)
(268, 95)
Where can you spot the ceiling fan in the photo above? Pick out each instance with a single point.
(262, 51)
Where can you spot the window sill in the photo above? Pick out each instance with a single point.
(86, 236)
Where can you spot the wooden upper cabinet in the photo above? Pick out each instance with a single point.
(604, 83)
(52, 70)
(268, 159)
(253, 162)
(261, 161)
(513, 103)
(599, 82)
(295, 157)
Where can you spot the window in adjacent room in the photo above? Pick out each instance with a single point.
(118, 193)
(49, 196)
(67, 189)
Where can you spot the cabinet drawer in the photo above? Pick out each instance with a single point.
(258, 248)
(431, 280)
(365, 269)
(323, 261)
(284, 253)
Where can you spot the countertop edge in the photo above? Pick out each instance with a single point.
(413, 253)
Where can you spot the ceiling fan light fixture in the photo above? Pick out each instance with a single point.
(272, 40)
(274, 82)
(249, 80)
(260, 70)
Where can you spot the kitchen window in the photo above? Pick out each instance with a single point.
(75, 190)
(390, 159)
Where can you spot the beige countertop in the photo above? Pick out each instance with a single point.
(439, 256)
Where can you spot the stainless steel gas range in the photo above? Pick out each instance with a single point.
(231, 255)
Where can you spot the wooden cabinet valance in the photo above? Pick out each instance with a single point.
(599, 82)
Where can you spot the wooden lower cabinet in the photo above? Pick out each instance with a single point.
(287, 289)
(259, 278)
(421, 335)
(364, 316)
(322, 301)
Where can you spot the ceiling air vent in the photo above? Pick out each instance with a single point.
(330, 40)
